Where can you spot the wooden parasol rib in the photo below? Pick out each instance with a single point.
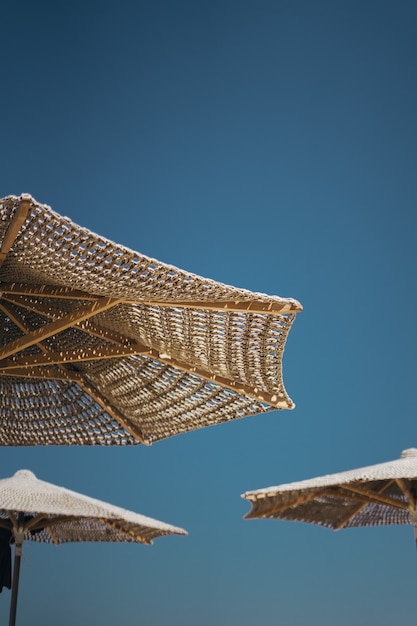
(112, 411)
(407, 492)
(161, 315)
(58, 326)
(367, 496)
(281, 506)
(13, 230)
(46, 291)
(53, 313)
(235, 306)
(115, 526)
(72, 356)
(359, 508)
(62, 373)
(78, 317)
(247, 390)
(353, 492)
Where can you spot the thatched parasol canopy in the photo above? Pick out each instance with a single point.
(34, 510)
(377, 495)
(103, 345)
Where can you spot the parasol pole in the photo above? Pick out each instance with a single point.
(414, 516)
(18, 537)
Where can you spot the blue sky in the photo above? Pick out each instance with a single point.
(268, 145)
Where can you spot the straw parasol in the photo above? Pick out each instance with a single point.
(371, 496)
(103, 345)
(35, 510)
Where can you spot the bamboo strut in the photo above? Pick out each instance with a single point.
(15, 317)
(83, 323)
(13, 519)
(72, 356)
(31, 361)
(246, 390)
(358, 493)
(43, 373)
(407, 492)
(14, 227)
(66, 321)
(88, 388)
(62, 373)
(353, 492)
(17, 365)
(87, 326)
(236, 306)
(46, 291)
(53, 536)
(34, 522)
(113, 524)
(42, 521)
(358, 509)
(46, 373)
(234, 385)
(112, 327)
(280, 506)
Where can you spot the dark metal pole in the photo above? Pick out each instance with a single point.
(19, 535)
(15, 583)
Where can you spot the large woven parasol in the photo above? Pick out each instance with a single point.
(34, 510)
(103, 345)
(371, 496)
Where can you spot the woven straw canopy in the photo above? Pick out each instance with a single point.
(45, 512)
(34, 510)
(102, 345)
(370, 496)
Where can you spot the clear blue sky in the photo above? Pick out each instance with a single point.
(270, 145)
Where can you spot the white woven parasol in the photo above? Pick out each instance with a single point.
(371, 496)
(102, 345)
(35, 510)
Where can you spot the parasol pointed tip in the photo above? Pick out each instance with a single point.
(25, 473)
(409, 453)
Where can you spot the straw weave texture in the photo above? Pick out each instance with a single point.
(70, 516)
(347, 499)
(203, 366)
